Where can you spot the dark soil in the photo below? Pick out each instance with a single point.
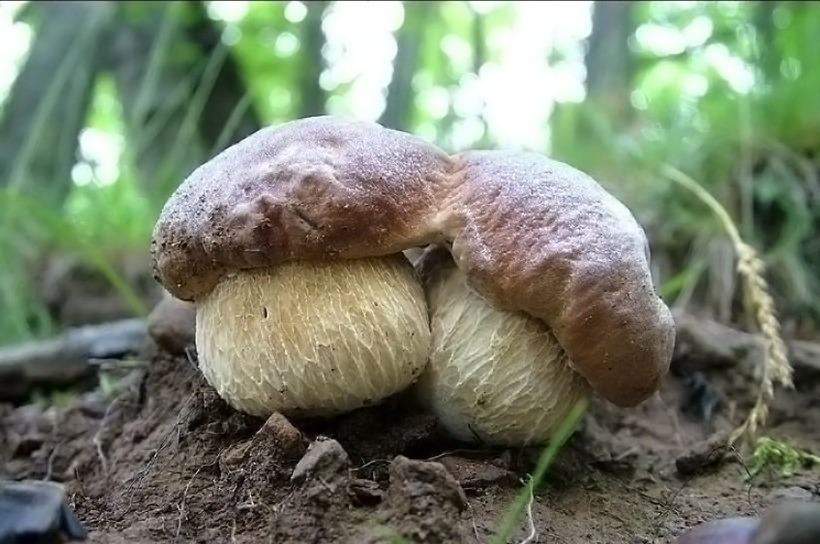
(167, 461)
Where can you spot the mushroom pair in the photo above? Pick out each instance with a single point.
(534, 289)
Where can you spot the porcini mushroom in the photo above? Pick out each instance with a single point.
(494, 376)
(289, 243)
(548, 292)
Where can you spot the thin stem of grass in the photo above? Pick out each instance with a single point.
(232, 123)
(703, 195)
(548, 455)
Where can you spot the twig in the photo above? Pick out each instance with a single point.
(64, 359)
(369, 463)
(50, 463)
(456, 452)
(250, 504)
(118, 364)
(669, 504)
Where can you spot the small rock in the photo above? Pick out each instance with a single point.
(365, 492)
(424, 501)
(477, 474)
(280, 432)
(703, 456)
(94, 404)
(37, 512)
(275, 443)
(26, 428)
(425, 480)
(739, 530)
(324, 472)
(786, 523)
(325, 458)
(172, 325)
(27, 444)
(790, 522)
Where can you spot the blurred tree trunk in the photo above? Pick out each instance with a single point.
(47, 106)
(763, 21)
(228, 115)
(409, 39)
(182, 94)
(312, 97)
(608, 59)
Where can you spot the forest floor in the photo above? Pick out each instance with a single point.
(165, 460)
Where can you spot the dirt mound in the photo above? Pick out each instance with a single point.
(166, 460)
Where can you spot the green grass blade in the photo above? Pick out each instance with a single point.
(513, 517)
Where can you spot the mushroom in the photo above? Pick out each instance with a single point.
(547, 297)
(290, 245)
(497, 377)
(293, 244)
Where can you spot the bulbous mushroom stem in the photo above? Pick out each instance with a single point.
(498, 377)
(314, 338)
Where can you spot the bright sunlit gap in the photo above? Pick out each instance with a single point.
(514, 96)
(515, 91)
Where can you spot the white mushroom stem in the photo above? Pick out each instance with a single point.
(314, 339)
(495, 377)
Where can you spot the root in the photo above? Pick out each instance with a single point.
(369, 464)
(472, 521)
(181, 506)
(97, 440)
(533, 533)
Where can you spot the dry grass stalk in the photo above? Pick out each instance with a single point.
(775, 367)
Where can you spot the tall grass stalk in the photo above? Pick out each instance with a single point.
(775, 367)
(525, 496)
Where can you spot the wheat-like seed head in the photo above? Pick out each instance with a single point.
(775, 367)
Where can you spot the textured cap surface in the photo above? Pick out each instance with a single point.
(314, 188)
(539, 236)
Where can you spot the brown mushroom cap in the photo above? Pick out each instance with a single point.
(539, 236)
(311, 189)
(531, 234)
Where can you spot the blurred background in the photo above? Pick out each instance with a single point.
(105, 107)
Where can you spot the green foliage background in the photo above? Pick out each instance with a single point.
(755, 149)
